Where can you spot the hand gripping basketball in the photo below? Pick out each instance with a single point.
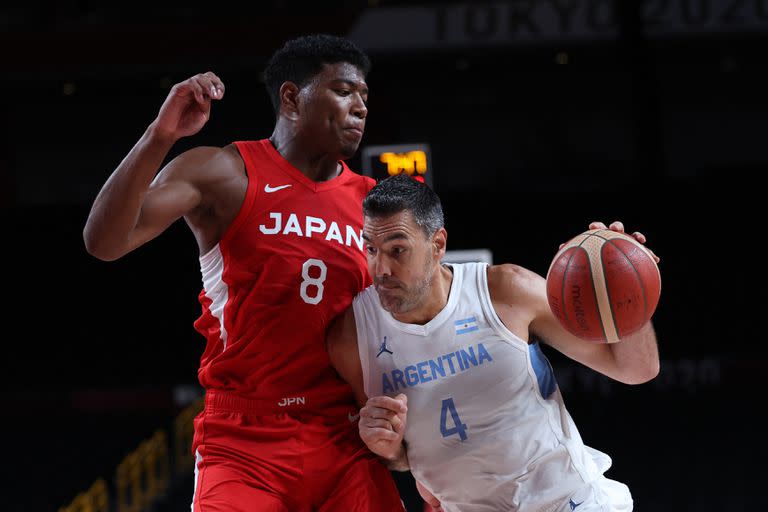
(603, 284)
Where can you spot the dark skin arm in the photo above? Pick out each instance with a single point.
(137, 202)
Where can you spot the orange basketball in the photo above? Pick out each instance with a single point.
(603, 285)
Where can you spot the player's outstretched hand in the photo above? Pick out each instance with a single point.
(188, 106)
(382, 425)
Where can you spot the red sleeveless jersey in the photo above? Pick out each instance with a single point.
(287, 265)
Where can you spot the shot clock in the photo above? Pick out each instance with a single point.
(380, 162)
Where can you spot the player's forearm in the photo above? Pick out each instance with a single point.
(400, 461)
(637, 356)
(116, 209)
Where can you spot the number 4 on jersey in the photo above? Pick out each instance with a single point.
(458, 427)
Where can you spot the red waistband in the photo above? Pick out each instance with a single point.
(223, 401)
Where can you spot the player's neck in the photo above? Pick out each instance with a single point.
(315, 166)
(435, 301)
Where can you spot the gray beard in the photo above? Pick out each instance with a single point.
(415, 294)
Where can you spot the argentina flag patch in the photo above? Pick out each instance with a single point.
(466, 325)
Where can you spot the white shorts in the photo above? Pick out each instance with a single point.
(602, 495)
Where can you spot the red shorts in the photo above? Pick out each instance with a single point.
(256, 456)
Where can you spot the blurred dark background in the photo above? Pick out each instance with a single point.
(541, 116)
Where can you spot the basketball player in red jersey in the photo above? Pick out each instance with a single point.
(278, 223)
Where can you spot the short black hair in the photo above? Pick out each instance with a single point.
(402, 193)
(300, 59)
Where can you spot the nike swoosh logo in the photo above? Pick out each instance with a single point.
(352, 418)
(269, 189)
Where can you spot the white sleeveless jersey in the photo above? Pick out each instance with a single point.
(486, 428)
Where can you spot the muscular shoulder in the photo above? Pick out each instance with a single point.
(511, 281)
(368, 183)
(360, 184)
(205, 166)
(518, 295)
(218, 176)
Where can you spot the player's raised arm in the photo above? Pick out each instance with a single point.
(136, 204)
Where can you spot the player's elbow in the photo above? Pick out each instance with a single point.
(652, 371)
(96, 247)
(641, 374)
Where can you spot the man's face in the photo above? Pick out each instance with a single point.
(333, 109)
(401, 260)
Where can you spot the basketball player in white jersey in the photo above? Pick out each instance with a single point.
(454, 384)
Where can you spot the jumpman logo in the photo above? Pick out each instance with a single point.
(574, 505)
(383, 348)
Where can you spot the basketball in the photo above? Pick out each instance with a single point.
(603, 285)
